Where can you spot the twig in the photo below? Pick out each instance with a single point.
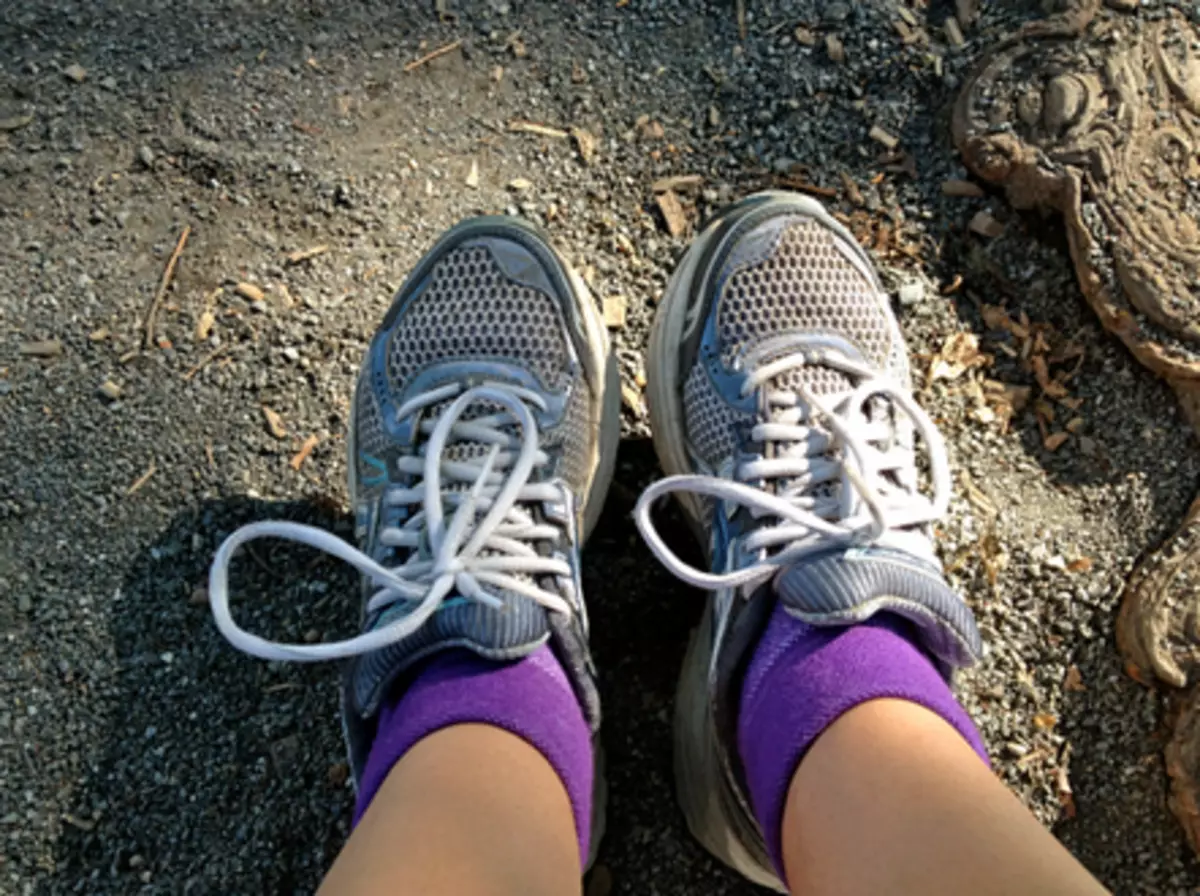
(429, 57)
(204, 362)
(152, 313)
(542, 130)
(142, 480)
(301, 255)
(741, 20)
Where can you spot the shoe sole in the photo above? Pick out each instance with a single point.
(704, 792)
(603, 376)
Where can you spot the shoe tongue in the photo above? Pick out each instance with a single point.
(843, 586)
(510, 632)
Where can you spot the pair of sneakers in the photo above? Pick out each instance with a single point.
(484, 433)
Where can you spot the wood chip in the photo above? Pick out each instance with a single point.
(586, 143)
(578, 73)
(98, 335)
(473, 175)
(679, 183)
(614, 311)
(672, 212)
(835, 49)
(168, 274)
(542, 130)
(519, 184)
(805, 36)
(15, 123)
(109, 390)
(853, 193)
(429, 57)
(141, 480)
(963, 188)
(302, 255)
(204, 324)
(984, 224)
(45, 348)
(274, 423)
(882, 137)
(250, 292)
(954, 32)
(498, 73)
(305, 450)
(908, 15)
(76, 72)
(1055, 440)
(966, 12)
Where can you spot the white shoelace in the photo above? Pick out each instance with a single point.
(877, 502)
(472, 561)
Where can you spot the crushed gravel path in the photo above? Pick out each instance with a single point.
(138, 753)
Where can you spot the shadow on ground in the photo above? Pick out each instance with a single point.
(264, 737)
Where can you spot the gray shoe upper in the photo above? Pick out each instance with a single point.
(491, 303)
(781, 396)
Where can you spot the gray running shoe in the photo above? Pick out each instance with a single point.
(485, 427)
(782, 412)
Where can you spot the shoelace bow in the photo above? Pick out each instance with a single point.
(467, 558)
(818, 441)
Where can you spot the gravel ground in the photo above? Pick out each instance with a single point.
(137, 751)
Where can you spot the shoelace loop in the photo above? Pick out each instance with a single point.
(869, 508)
(472, 560)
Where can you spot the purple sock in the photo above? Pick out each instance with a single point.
(530, 698)
(802, 678)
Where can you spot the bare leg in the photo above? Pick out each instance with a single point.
(471, 810)
(891, 799)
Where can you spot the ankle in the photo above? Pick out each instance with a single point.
(802, 678)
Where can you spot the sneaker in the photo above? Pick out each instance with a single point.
(485, 426)
(782, 412)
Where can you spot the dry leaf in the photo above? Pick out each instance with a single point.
(274, 423)
(960, 353)
(586, 143)
(1045, 720)
(996, 318)
(984, 224)
(1056, 440)
(1041, 372)
(1074, 680)
(1082, 564)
